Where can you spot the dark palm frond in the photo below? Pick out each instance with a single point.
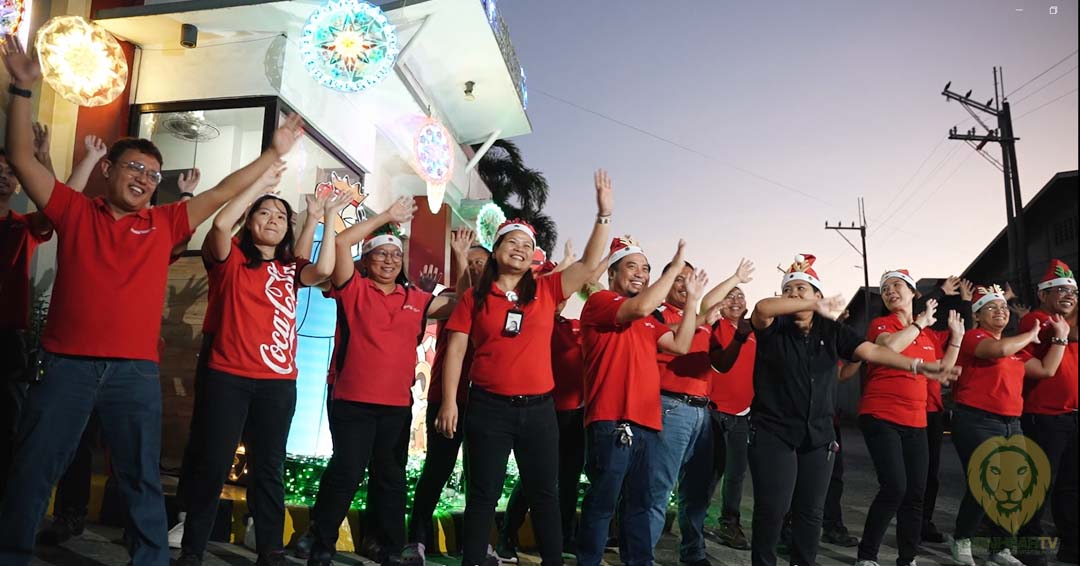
(519, 190)
(547, 233)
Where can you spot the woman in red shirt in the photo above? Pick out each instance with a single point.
(252, 369)
(892, 415)
(509, 317)
(989, 400)
(381, 318)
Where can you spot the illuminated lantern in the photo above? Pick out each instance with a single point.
(81, 61)
(11, 13)
(487, 224)
(348, 45)
(434, 150)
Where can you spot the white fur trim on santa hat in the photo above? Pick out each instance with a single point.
(801, 276)
(986, 299)
(516, 226)
(899, 275)
(382, 240)
(621, 253)
(1059, 282)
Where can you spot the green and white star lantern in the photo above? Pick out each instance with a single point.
(348, 45)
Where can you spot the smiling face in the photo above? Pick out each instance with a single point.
(677, 294)
(514, 252)
(268, 221)
(630, 275)
(896, 295)
(993, 316)
(8, 182)
(128, 189)
(734, 305)
(476, 259)
(1058, 300)
(384, 264)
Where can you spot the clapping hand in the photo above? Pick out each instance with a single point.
(429, 278)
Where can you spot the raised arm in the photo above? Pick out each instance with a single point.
(680, 341)
(80, 174)
(724, 358)
(744, 274)
(456, 345)
(899, 340)
(42, 152)
(401, 211)
(218, 243)
(768, 309)
(579, 273)
(569, 257)
(36, 179)
(1049, 364)
(318, 272)
(205, 203)
(645, 302)
(305, 241)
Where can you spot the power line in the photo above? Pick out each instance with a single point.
(1045, 104)
(1047, 70)
(926, 180)
(684, 147)
(1038, 90)
(933, 193)
(918, 169)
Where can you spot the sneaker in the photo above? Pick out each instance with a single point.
(63, 527)
(371, 549)
(492, 559)
(866, 563)
(930, 533)
(961, 552)
(840, 537)
(302, 549)
(506, 550)
(176, 534)
(187, 559)
(275, 558)
(1004, 557)
(249, 533)
(730, 534)
(413, 555)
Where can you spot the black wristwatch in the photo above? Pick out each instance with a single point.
(19, 91)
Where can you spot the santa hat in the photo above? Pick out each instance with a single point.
(1057, 275)
(382, 238)
(516, 224)
(984, 295)
(802, 269)
(538, 261)
(898, 274)
(622, 247)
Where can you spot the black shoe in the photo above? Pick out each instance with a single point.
(275, 558)
(840, 537)
(63, 527)
(506, 550)
(730, 534)
(320, 558)
(302, 549)
(187, 559)
(930, 533)
(372, 550)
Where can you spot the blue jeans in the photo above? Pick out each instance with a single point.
(683, 455)
(610, 466)
(127, 397)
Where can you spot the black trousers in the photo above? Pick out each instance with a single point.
(730, 436)
(229, 402)
(935, 435)
(1056, 435)
(900, 458)
(571, 464)
(193, 464)
(495, 428)
(439, 461)
(785, 476)
(12, 395)
(365, 436)
(833, 517)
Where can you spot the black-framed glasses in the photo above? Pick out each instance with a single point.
(140, 169)
(1064, 291)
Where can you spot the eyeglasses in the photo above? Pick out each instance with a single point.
(383, 255)
(1064, 291)
(996, 308)
(140, 169)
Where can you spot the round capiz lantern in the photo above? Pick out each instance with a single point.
(348, 45)
(434, 150)
(81, 61)
(11, 14)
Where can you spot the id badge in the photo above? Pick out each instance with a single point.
(514, 320)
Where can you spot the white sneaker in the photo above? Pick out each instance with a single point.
(866, 563)
(961, 551)
(176, 534)
(249, 533)
(1004, 558)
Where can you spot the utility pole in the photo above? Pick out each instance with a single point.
(998, 107)
(861, 228)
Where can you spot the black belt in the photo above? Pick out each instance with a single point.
(692, 400)
(513, 400)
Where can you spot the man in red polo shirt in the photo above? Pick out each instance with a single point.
(622, 397)
(101, 339)
(1049, 417)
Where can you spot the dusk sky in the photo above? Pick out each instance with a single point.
(779, 115)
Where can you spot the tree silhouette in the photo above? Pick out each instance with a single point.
(519, 190)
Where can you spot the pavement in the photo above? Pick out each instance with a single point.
(100, 546)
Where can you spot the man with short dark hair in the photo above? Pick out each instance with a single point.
(113, 252)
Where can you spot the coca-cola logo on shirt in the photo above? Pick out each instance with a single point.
(277, 353)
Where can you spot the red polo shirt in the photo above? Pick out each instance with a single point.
(110, 276)
(438, 366)
(567, 366)
(256, 333)
(622, 380)
(380, 334)
(497, 364)
(1055, 395)
(670, 315)
(994, 385)
(733, 391)
(934, 404)
(18, 241)
(894, 395)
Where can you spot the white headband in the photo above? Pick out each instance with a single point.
(382, 240)
(899, 275)
(986, 299)
(801, 276)
(1059, 282)
(516, 226)
(619, 254)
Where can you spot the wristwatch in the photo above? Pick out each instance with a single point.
(19, 91)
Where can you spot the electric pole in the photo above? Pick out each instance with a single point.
(998, 107)
(861, 228)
